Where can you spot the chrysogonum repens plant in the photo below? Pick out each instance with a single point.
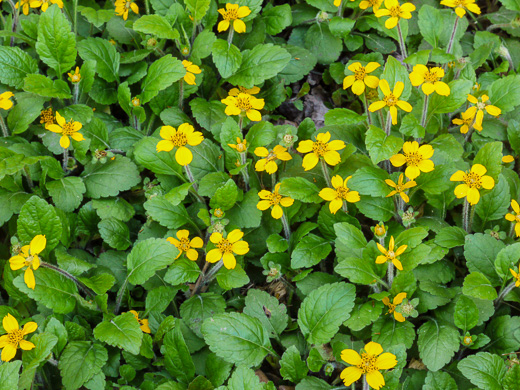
(306, 195)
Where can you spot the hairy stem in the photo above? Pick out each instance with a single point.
(15, 14)
(466, 216)
(402, 45)
(424, 117)
(245, 174)
(452, 38)
(286, 227)
(3, 125)
(65, 162)
(366, 386)
(388, 124)
(369, 118)
(120, 295)
(504, 293)
(181, 94)
(75, 16)
(390, 272)
(76, 93)
(325, 171)
(230, 34)
(198, 284)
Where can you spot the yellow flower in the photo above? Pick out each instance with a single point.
(45, 4)
(66, 129)
(29, 258)
(461, 6)
(429, 78)
(361, 77)
(391, 306)
(375, 4)
(218, 213)
(380, 230)
(25, 6)
(184, 135)
(191, 71)
(5, 102)
(227, 247)
(340, 193)
(478, 109)
(396, 12)
(143, 324)
(466, 121)
(390, 254)
(14, 338)
(244, 103)
(76, 76)
(233, 13)
(240, 146)
(124, 6)
(391, 100)
(516, 275)
(320, 148)
(237, 91)
(417, 159)
(369, 363)
(47, 117)
(184, 245)
(268, 162)
(473, 180)
(508, 159)
(274, 200)
(399, 188)
(515, 217)
(337, 3)
(136, 102)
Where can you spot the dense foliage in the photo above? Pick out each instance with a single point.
(252, 195)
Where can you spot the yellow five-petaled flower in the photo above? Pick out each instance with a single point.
(45, 4)
(417, 159)
(429, 78)
(233, 13)
(339, 194)
(66, 129)
(461, 6)
(391, 254)
(321, 148)
(392, 305)
(515, 217)
(396, 12)
(268, 162)
(76, 76)
(179, 138)
(240, 146)
(391, 100)
(124, 6)
(185, 245)
(191, 71)
(369, 363)
(244, 104)
(274, 200)
(467, 120)
(227, 248)
(5, 100)
(473, 180)
(400, 187)
(28, 257)
(477, 110)
(361, 77)
(14, 338)
(143, 323)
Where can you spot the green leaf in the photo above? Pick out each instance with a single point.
(357, 269)
(484, 370)
(147, 257)
(227, 58)
(466, 314)
(237, 338)
(411, 237)
(56, 44)
(52, 290)
(495, 204)
(504, 331)
(161, 74)
(320, 41)
(122, 331)
(309, 251)
(15, 65)
(260, 134)
(115, 233)
(437, 343)
(507, 259)
(481, 251)
(342, 116)
(380, 146)
(117, 208)
(300, 189)
(395, 71)
(67, 193)
(450, 237)
(505, 93)
(96, 17)
(232, 278)
(110, 178)
(301, 63)
(324, 310)
(271, 313)
(446, 104)
(244, 379)
(512, 378)
(198, 8)
(80, 361)
(27, 108)
(195, 310)
(105, 54)
(245, 214)
(439, 380)
(277, 19)
(155, 25)
(477, 285)
(379, 209)
(182, 271)
(202, 46)
(161, 163)
(9, 375)
(259, 64)
(177, 194)
(490, 155)
(350, 240)
(363, 315)
(43, 86)
(217, 370)
(209, 114)
(388, 332)
(370, 181)
(168, 215)
(38, 217)
(158, 299)
(429, 21)
(178, 361)
(225, 197)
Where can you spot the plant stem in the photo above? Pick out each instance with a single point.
(181, 94)
(365, 383)
(366, 108)
(390, 272)
(340, 9)
(245, 174)
(241, 125)
(452, 38)
(388, 125)
(150, 124)
(15, 14)
(466, 217)
(325, 171)
(75, 16)
(76, 93)
(230, 35)
(198, 284)
(424, 116)
(402, 45)
(191, 178)
(5, 130)
(147, 6)
(82, 287)
(120, 295)
(504, 293)
(286, 227)
(344, 206)
(28, 176)
(65, 162)
(137, 124)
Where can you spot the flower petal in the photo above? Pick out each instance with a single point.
(9, 323)
(373, 348)
(375, 379)
(235, 235)
(37, 244)
(351, 357)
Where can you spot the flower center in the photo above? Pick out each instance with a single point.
(431, 77)
(241, 147)
(75, 78)
(481, 105)
(128, 4)
(390, 100)
(391, 308)
(218, 213)
(390, 254)
(179, 139)
(184, 244)
(275, 198)
(244, 102)
(271, 156)
(47, 116)
(399, 188)
(467, 340)
(15, 337)
(368, 363)
(231, 14)
(360, 73)
(342, 192)
(473, 180)
(225, 246)
(320, 148)
(395, 11)
(68, 128)
(413, 159)
(517, 218)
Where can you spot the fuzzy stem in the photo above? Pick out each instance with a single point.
(28, 176)
(245, 174)
(424, 116)
(15, 14)
(325, 171)
(388, 125)
(76, 93)
(344, 207)
(241, 125)
(402, 45)
(366, 108)
(5, 130)
(198, 284)
(120, 295)
(82, 287)
(212, 272)
(286, 227)
(366, 386)
(390, 272)
(147, 6)
(150, 124)
(466, 225)
(504, 293)
(340, 9)
(230, 35)
(191, 178)
(65, 162)
(75, 16)
(181, 94)
(452, 38)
